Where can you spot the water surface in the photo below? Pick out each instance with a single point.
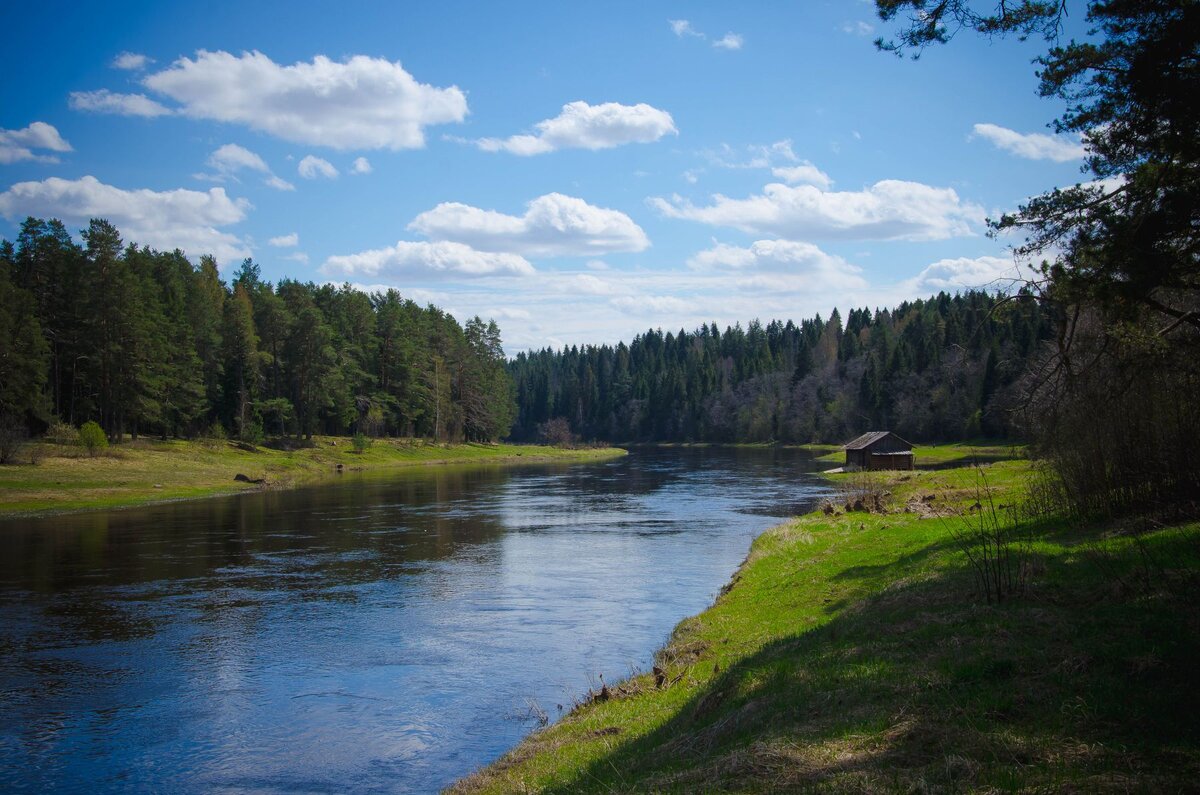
(377, 634)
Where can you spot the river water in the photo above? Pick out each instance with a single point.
(382, 633)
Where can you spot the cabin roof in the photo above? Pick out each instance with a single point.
(869, 438)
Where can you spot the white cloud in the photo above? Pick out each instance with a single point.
(312, 167)
(362, 102)
(297, 256)
(17, 145)
(887, 210)
(361, 166)
(166, 220)
(730, 41)
(858, 28)
(962, 273)
(754, 156)
(799, 260)
(231, 158)
(659, 304)
(681, 28)
(285, 241)
(506, 313)
(588, 284)
(439, 258)
(804, 174)
(105, 101)
(553, 225)
(584, 126)
(131, 61)
(278, 183)
(1032, 146)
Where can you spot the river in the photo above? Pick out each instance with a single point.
(386, 632)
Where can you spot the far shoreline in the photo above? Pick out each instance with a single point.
(152, 472)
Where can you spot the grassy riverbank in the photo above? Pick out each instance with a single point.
(855, 652)
(67, 479)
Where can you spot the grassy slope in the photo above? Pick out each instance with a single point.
(852, 653)
(152, 471)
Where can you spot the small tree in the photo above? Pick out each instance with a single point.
(360, 442)
(92, 438)
(556, 431)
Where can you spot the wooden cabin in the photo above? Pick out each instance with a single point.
(878, 450)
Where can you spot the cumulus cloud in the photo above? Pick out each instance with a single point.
(961, 273)
(362, 102)
(131, 61)
(229, 159)
(1031, 146)
(804, 174)
(584, 126)
(166, 220)
(312, 167)
(796, 259)
(17, 145)
(105, 101)
(730, 41)
(887, 210)
(285, 241)
(553, 225)
(430, 259)
(361, 166)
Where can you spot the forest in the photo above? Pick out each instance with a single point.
(145, 342)
(942, 369)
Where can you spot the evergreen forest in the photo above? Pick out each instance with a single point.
(145, 342)
(942, 369)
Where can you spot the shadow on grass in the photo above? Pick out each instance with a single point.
(966, 460)
(1080, 684)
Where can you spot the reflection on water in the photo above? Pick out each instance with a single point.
(384, 633)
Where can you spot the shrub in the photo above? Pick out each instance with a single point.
(92, 438)
(13, 436)
(62, 433)
(557, 432)
(997, 545)
(360, 442)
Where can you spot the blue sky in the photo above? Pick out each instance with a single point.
(579, 172)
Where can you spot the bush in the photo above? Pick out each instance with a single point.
(360, 442)
(92, 438)
(62, 433)
(997, 545)
(557, 432)
(13, 436)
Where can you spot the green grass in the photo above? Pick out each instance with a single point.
(852, 652)
(147, 471)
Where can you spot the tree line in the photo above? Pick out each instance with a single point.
(144, 341)
(946, 368)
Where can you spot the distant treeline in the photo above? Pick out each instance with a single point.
(942, 369)
(143, 341)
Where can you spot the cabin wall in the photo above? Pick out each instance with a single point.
(888, 461)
